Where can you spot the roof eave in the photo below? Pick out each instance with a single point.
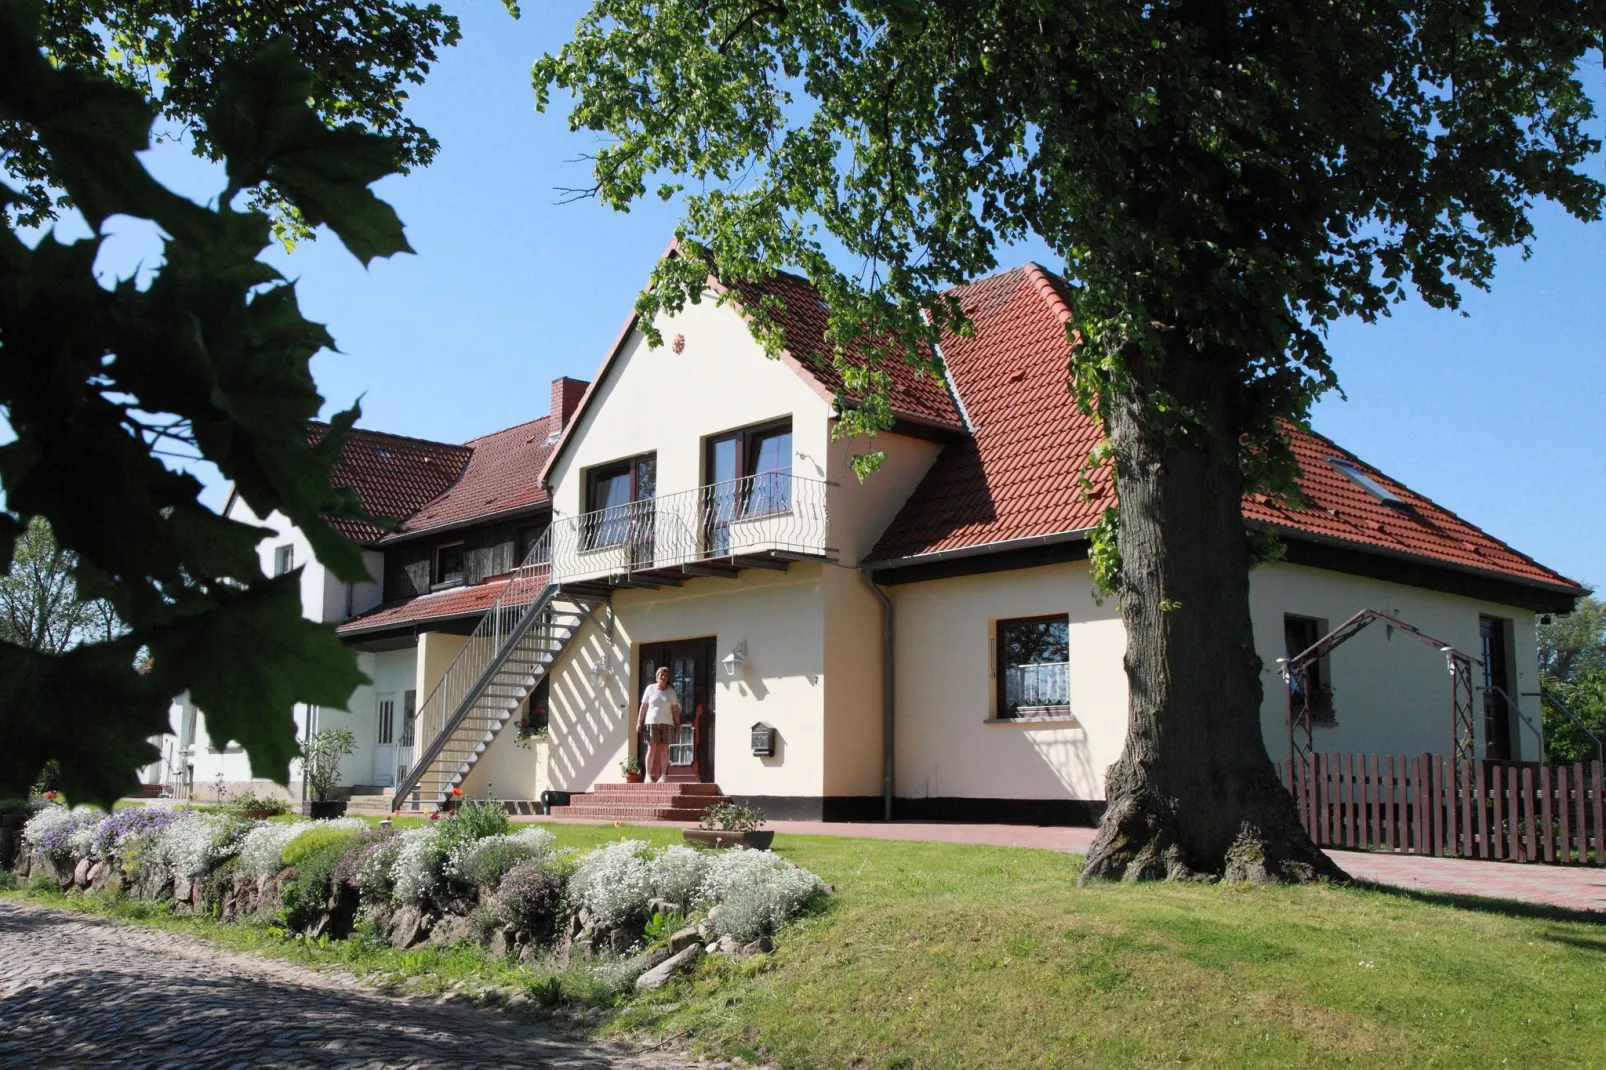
(1567, 587)
(1001, 546)
(399, 537)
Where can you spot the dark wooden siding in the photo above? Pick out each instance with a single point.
(487, 551)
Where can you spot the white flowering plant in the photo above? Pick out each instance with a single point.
(262, 845)
(613, 883)
(757, 892)
(374, 881)
(59, 832)
(417, 874)
(678, 873)
(197, 843)
(482, 862)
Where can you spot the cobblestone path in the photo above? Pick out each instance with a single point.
(79, 991)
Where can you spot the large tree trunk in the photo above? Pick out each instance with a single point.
(1194, 794)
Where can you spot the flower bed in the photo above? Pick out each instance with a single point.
(464, 878)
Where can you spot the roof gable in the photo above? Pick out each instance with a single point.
(916, 395)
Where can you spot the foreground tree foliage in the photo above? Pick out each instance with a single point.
(1223, 182)
(209, 358)
(360, 55)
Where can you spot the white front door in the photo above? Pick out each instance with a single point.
(385, 740)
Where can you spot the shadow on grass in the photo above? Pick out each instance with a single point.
(1506, 908)
(1580, 942)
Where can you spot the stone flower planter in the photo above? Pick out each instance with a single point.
(755, 839)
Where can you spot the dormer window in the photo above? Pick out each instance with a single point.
(450, 565)
(1361, 478)
(284, 559)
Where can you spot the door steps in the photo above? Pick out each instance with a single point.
(643, 802)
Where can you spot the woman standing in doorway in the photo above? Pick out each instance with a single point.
(659, 715)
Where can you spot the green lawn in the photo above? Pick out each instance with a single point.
(949, 956)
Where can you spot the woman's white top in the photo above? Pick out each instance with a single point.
(659, 700)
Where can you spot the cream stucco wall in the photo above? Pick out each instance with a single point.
(780, 618)
(656, 400)
(853, 707)
(587, 709)
(946, 689)
(434, 654)
(860, 512)
(1391, 694)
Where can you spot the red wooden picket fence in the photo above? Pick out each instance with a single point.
(1425, 804)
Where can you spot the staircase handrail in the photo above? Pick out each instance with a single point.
(1516, 707)
(521, 586)
(1549, 694)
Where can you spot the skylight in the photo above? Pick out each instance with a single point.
(1360, 478)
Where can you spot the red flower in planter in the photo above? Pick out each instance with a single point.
(50, 795)
(435, 815)
(457, 791)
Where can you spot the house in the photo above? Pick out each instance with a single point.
(689, 508)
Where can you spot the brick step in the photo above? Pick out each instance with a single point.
(599, 806)
(660, 798)
(684, 787)
(630, 816)
(696, 802)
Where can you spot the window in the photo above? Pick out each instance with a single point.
(284, 560)
(528, 537)
(749, 473)
(450, 564)
(409, 712)
(1361, 478)
(612, 490)
(1299, 635)
(385, 730)
(1033, 668)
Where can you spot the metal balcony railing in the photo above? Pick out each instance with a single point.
(773, 513)
(542, 605)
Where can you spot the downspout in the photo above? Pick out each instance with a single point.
(886, 693)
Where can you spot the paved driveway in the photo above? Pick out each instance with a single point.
(77, 991)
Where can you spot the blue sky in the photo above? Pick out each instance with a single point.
(1497, 415)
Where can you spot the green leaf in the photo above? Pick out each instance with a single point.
(247, 662)
(262, 124)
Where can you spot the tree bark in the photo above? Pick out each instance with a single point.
(1194, 794)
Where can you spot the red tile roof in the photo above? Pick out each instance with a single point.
(393, 475)
(503, 473)
(1016, 477)
(915, 393)
(437, 605)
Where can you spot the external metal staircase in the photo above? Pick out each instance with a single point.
(521, 635)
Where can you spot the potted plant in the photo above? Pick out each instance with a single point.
(631, 768)
(320, 768)
(730, 825)
(529, 733)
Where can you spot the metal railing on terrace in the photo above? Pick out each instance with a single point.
(771, 514)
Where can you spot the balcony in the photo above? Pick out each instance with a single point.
(762, 521)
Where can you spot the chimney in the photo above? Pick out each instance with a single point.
(566, 395)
